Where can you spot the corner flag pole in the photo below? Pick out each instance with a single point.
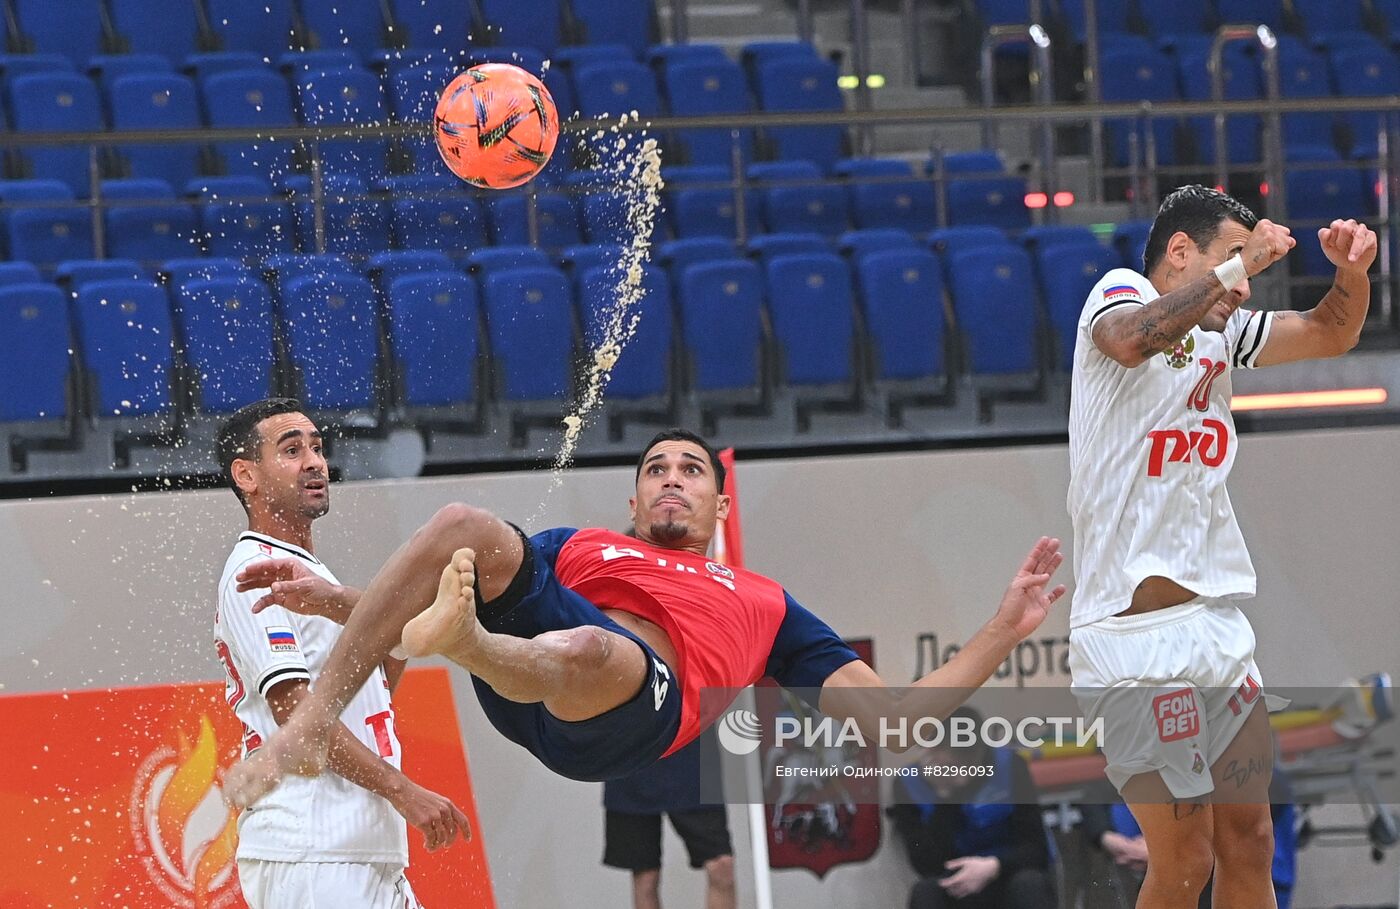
(729, 550)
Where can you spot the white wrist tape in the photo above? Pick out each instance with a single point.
(398, 652)
(1231, 272)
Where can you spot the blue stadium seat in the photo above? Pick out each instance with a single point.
(556, 217)
(72, 28)
(433, 334)
(337, 24)
(907, 205)
(242, 229)
(148, 233)
(440, 26)
(1255, 12)
(489, 260)
(809, 299)
(1333, 24)
(44, 235)
(1174, 20)
(126, 338)
(202, 66)
(256, 98)
(994, 302)
(530, 59)
(1130, 239)
(644, 369)
(661, 56)
(701, 88)
(530, 327)
(413, 96)
(1242, 82)
(227, 326)
(74, 273)
(1068, 271)
(1054, 234)
(603, 206)
(298, 63)
(59, 103)
(164, 102)
(18, 273)
(1135, 73)
(814, 207)
(983, 161)
(385, 267)
(627, 22)
(902, 295)
(1112, 18)
(353, 226)
(150, 27)
(1316, 197)
(1389, 12)
(616, 88)
(857, 244)
(284, 267)
(580, 259)
(725, 293)
(537, 24)
(767, 247)
(265, 27)
(1303, 73)
(995, 201)
(758, 54)
(679, 255)
(574, 56)
(13, 65)
(1365, 71)
(108, 68)
(332, 333)
(700, 211)
(179, 272)
(803, 84)
(950, 240)
(341, 97)
(437, 216)
(1002, 12)
(34, 346)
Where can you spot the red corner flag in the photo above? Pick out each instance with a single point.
(729, 538)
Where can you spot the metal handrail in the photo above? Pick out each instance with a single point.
(999, 36)
(1273, 154)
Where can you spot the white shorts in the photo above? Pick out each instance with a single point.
(1173, 687)
(324, 885)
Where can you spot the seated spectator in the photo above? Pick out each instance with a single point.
(975, 840)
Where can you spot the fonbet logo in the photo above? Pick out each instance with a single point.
(739, 731)
(185, 836)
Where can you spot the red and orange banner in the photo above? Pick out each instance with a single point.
(111, 798)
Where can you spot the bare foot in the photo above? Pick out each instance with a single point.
(449, 624)
(299, 747)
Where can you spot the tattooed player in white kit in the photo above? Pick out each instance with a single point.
(1158, 648)
(338, 839)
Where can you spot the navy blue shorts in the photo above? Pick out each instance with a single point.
(615, 744)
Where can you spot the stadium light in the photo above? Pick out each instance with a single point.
(1338, 397)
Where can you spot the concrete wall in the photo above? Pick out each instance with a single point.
(119, 591)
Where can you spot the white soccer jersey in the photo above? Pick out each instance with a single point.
(1150, 449)
(304, 819)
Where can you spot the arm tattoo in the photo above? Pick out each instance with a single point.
(1164, 321)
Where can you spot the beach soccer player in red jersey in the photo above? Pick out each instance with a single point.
(590, 648)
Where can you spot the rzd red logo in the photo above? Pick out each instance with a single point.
(1177, 715)
(1207, 446)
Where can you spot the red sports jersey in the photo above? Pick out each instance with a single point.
(721, 620)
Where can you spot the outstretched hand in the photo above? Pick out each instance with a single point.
(1027, 602)
(292, 586)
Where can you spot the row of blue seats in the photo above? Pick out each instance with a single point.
(220, 326)
(699, 82)
(81, 29)
(1327, 21)
(1132, 69)
(437, 212)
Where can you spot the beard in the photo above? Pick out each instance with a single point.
(668, 531)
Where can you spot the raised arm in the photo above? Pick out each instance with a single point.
(1333, 327)
(855, 690)
(1132, 335)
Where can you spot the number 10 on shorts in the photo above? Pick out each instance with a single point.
(1178, 715)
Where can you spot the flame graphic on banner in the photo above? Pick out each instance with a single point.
(189, 786)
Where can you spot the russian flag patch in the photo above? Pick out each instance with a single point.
(1118, 293)
(281, 639)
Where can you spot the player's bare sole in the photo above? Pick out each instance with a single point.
(298, 747)
(449, 625)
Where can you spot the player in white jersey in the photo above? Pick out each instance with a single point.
(1158, 648)
(339, 838)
